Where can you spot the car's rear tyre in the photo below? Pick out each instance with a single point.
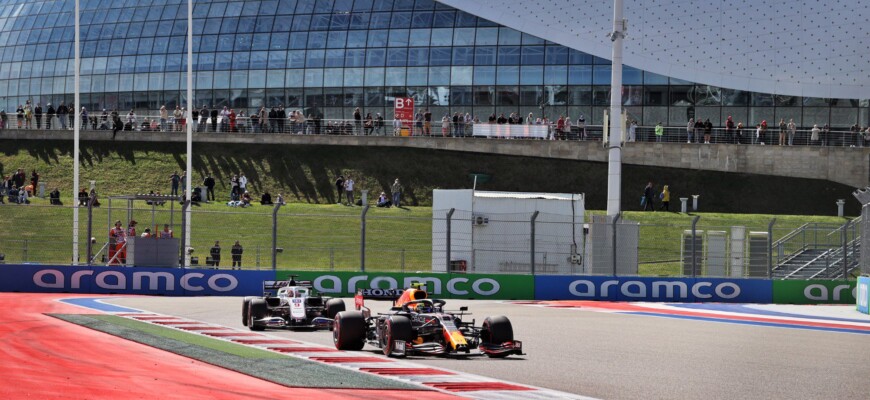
(333, 307)
(349, 330)
(246, 303)
(497, 330)
(397, 327)
(257, 309)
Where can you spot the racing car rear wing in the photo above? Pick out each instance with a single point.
(270, 288)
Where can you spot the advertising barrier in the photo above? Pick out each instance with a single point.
(814, 292)
(445, 286)
(128, 280)
(652, 289)
(510, 131)
(863, 296)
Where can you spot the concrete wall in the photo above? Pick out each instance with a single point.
(848, 166)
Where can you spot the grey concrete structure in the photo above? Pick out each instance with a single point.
(848, 166)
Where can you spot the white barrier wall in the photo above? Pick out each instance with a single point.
(511, 131)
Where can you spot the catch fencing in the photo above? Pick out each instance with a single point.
(370, 238)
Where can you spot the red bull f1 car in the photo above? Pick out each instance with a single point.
(418, 325)
(289, 304)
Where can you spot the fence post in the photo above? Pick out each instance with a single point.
(184, 233)
(845, 236)
(362, 246)
(770, 248)
(613, 240)
(258, 256)
(449, 241)
(403, 260)
(24, 251)
(275, 235)
(331, 259)
(532, 244)
(90, 229)
(694, 245)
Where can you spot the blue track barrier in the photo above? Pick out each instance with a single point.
(653, 289)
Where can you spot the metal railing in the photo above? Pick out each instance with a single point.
(837, 137)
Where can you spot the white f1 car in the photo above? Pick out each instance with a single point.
(289, 304)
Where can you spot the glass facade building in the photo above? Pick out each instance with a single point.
(336, 55)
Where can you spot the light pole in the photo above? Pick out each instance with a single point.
(76, 133)
(614, 159)
(188, 182)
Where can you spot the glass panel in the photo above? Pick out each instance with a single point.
(484, 75)
(463, 55)
(531, 75)
(533, 55)
(461, 75)
(508, 75)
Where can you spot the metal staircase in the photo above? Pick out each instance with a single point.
(818, 251)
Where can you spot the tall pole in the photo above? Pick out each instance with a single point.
(76, 132)
(614, 159)
(189, 124)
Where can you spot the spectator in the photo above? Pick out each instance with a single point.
(178, 118)
(690, 130)
(166, 233)
(225, 119)
(729, 130)
(280, 199)
(369, 124)
(708, 130)
(194, 120)
(22, 196)
(427, 123)
(214, 119)
(164, 117)
(632, 131)
(755, 139)
(379, 124)
(281, 115)
(34, 180)
(234, 188)
(117, 248)
(814, 134)
(397, 127)
(19, 115)
(232, 118)
(131, 228)
(243, 182)
(266, 199)
(147, 233)
(418, 123)
(738, 133)
(241, 121)
(396, 190)
(762, 135)
(792, 128)
(62, 113)
(215, 253)
(174, 179)
(348, 190)
(83, 197)
(208, 182)
(783, 129)
(117, 125)
(236, 252)
(3, 119)
(560, 128)
(339, 187)
(49, 116)
(383, 201)
(246, 199)
(131, 121)
(445, 125)
(454, 131)
(38, 114)
(665, 197)
(648, 196)
(855, 131)
(699, 128)
(28, 115)
(501, 119)
(660, 132)
(54, 197)
(93, 198)
(826, 135)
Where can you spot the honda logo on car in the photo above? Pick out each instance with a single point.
(459, 286)
(117, 280)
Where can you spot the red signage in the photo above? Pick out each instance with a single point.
(404, 111)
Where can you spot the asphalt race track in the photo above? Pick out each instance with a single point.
(618, 352)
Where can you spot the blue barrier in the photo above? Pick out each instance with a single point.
(125, 280)
(653, 289)
(862, 296)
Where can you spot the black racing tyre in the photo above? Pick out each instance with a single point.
(396, 327)
(497, 330)
(257, 309)
(332, 307)
(245, 304)
(349, 330)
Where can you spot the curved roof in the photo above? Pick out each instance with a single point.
(812, 48)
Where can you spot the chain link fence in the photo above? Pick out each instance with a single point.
(367, 239)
